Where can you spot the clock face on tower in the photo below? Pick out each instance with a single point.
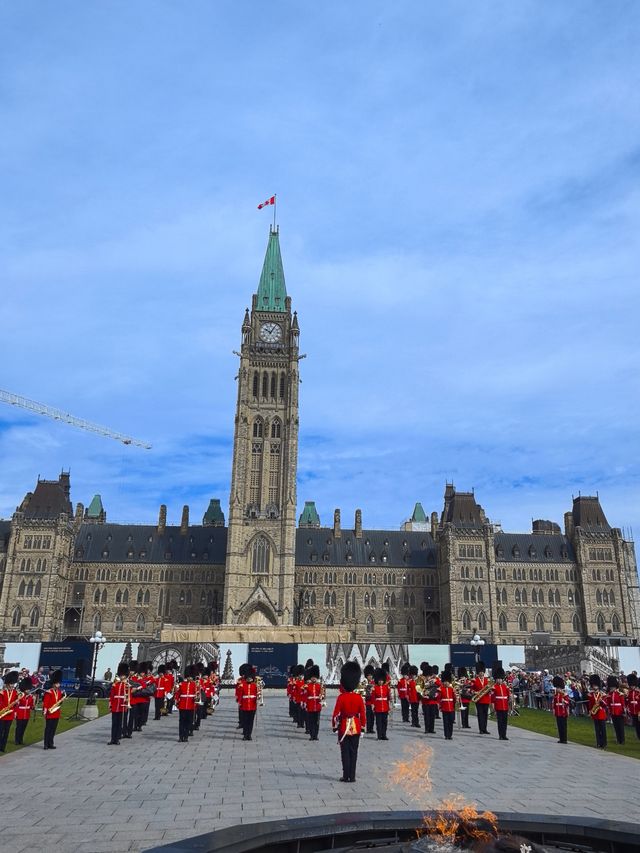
(270, 333)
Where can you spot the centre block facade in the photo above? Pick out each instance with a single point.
(65, 573)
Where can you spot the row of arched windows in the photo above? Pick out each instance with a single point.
(269, 384)
(259, 428)
(472, 594)
(29, 565)
(34, 617)
(467, 573)
(480, 622)
(30, 590)
(605, 597)
(118, 622)
(602, 626)
(602, 574)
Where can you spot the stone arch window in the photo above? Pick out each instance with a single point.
(274, 383)
(499, 552)
(21, 589)
(370, 624)
(34, 619)
(312, 598)
(598, 597)
(552, 599)
(96, 596)
(412, 600)
(189, 598)
(147, 597)
(38, 589)
(97, 622)
(373, 599)
(575, 623)
(366, 600)
(548, 552)
(555, 623)
(611, 598)
(390, 625)
(125, 596)
(482, 621)
(522, 622)
(570, 596)
(515, 551)
(329, 621)
(309, 620)
(410, 626)
(103, 597)
(385, 600)
(282, 385)
(265, 384)
(480, 596)
(615, 623)
(466, 620)
(118, 623)
(539, 622)
(261, 556)
(502, 622)
(16, 618)
(276, 428)
(139, 598)
(258, 428)
(465, 595)
(518, 597)
(256, 383)
(140, 622)
(600, 622)
(557, 597)
(578, 596)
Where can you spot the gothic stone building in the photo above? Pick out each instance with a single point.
(66, 573)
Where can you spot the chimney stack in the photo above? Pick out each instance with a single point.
(358, 530)
(336, 524)
(162, 519)
(184, 524)
(434, 524)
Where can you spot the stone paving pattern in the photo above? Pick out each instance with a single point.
(87, 797)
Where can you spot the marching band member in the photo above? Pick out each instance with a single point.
(290, 687)
(160, 693)
(249, 702)
(481, 683)
(616, 707)
(597, 705)
(186, 701)
(447, 701)
(349, 719)
(118, 702)
(51, 702)
(298, 696)
(148, 689)
(369, 672)
(501, 698)
(413, 697)
(23, 709)
(8, 701)
(170, 684)
(381, 699)
(633, 701)
(402, 692)
(429, 697)
(239, 689)
(465, 696)
(313, 700)
(560, 706)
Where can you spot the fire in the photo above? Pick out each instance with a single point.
(412, 773)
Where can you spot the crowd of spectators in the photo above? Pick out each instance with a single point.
(535, 689)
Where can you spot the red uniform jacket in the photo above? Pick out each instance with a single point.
(447, 698)
(560, 704)
(290, 683)
(25, 706)
(615, 703)
(249, 696)
(369, 692)
(402, 688)
(427, 700)
(136, 681)
(51, 698)
(313, 698)
(477, 684)
(239, 687)
(380, 695)
(7, 696)
(186, 695)
(298, 691)
(149, 681)
(633, 701)
(500, 697)
(593, 698)
(164, 686)
(349, 715)
(170, 681)
(412, 693)
(118, 697)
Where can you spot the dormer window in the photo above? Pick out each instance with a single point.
(515, 551)
(532, 551)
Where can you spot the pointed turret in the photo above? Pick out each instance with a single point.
(272, 291)
(309, 516)
(213, 517)
(95, 511)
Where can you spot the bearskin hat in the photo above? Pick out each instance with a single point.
(308, 663)
(200, 667)
(251, 672)
(386, 666)
(12, 677)
(594, 680)
(369, 670)
(123, 669)
(25, 684)
(404, 669)
(299, 670)
(213, 666)
(632, 680)
(312, 672)
(162, 669)
(242, 671)
(462, 672)
(612, 682)
(447, 675)
(55, 677)
(558, 682)
(379, 675)
(498, 672)
(350, 675)
(435, 669)
(292, 670)
(413, 670)
(133, 666)
(480, 667)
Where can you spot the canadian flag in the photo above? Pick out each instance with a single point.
(269, 201)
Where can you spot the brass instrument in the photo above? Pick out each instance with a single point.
(11, 705)
(425, 687)
(362, 688)
(599, 700)
(260, 686)
(484, 691)
(55, 708)
(323, 694)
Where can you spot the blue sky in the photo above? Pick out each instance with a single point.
(458, 195)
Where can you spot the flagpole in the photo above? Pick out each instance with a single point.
(275, 200)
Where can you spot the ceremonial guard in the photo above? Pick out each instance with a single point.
(369, 672)
(560, 706)
(186, 702)
(413, 697)
(51, 703)
(402, 692)
(170, 681)
(314, 697)
(616, 707)
(482, 697)
(160, 693)
(9, 699)
(291, 680)
(447, 702)
(24, 708)
(148, 689)
(429, 698)
(298, 696)
(381, 695)
(249, 702)
(118, 702)
(597, 705)
(238, 691)
(349, 719)
(136, 700)
(501, 699)
(465, 694)
(633, 701)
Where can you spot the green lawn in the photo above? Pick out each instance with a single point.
(580, 730)
(35, 729)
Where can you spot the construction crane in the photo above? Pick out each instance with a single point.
(57, 415)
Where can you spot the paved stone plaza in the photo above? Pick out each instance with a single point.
(89, 797)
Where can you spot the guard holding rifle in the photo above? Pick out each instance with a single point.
(51, 704)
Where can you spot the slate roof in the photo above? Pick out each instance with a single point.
(50, 498)
(527, 543)
(141, 543)
(588, 514)
(462, 510)
(312, 544)
(5, 532)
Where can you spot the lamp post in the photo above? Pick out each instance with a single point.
(477, 642)
(97, 642)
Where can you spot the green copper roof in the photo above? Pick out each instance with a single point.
(309, 515)
(418, 514)
(271, 290)
(95, 508)
(213, 516)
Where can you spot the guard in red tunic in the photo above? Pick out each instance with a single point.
(349, 719)
(429, 696)
(239, 689)
(249, 702)
(597, 705)
(381, 698)
(447, 702)
(501, 699)
(369, 672)
(8, 703)
(298, 696)
(170, 678)
(413, 697)
(633, 701)
(466, 692)
(560, 705)
(290, 685)
(160, 694)
(402, 692)
(118, 702)
(481, 684)
(186, 702)
(149, 689)
(616, 707)
(313, 700)
(51, 704)
(23, 709)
